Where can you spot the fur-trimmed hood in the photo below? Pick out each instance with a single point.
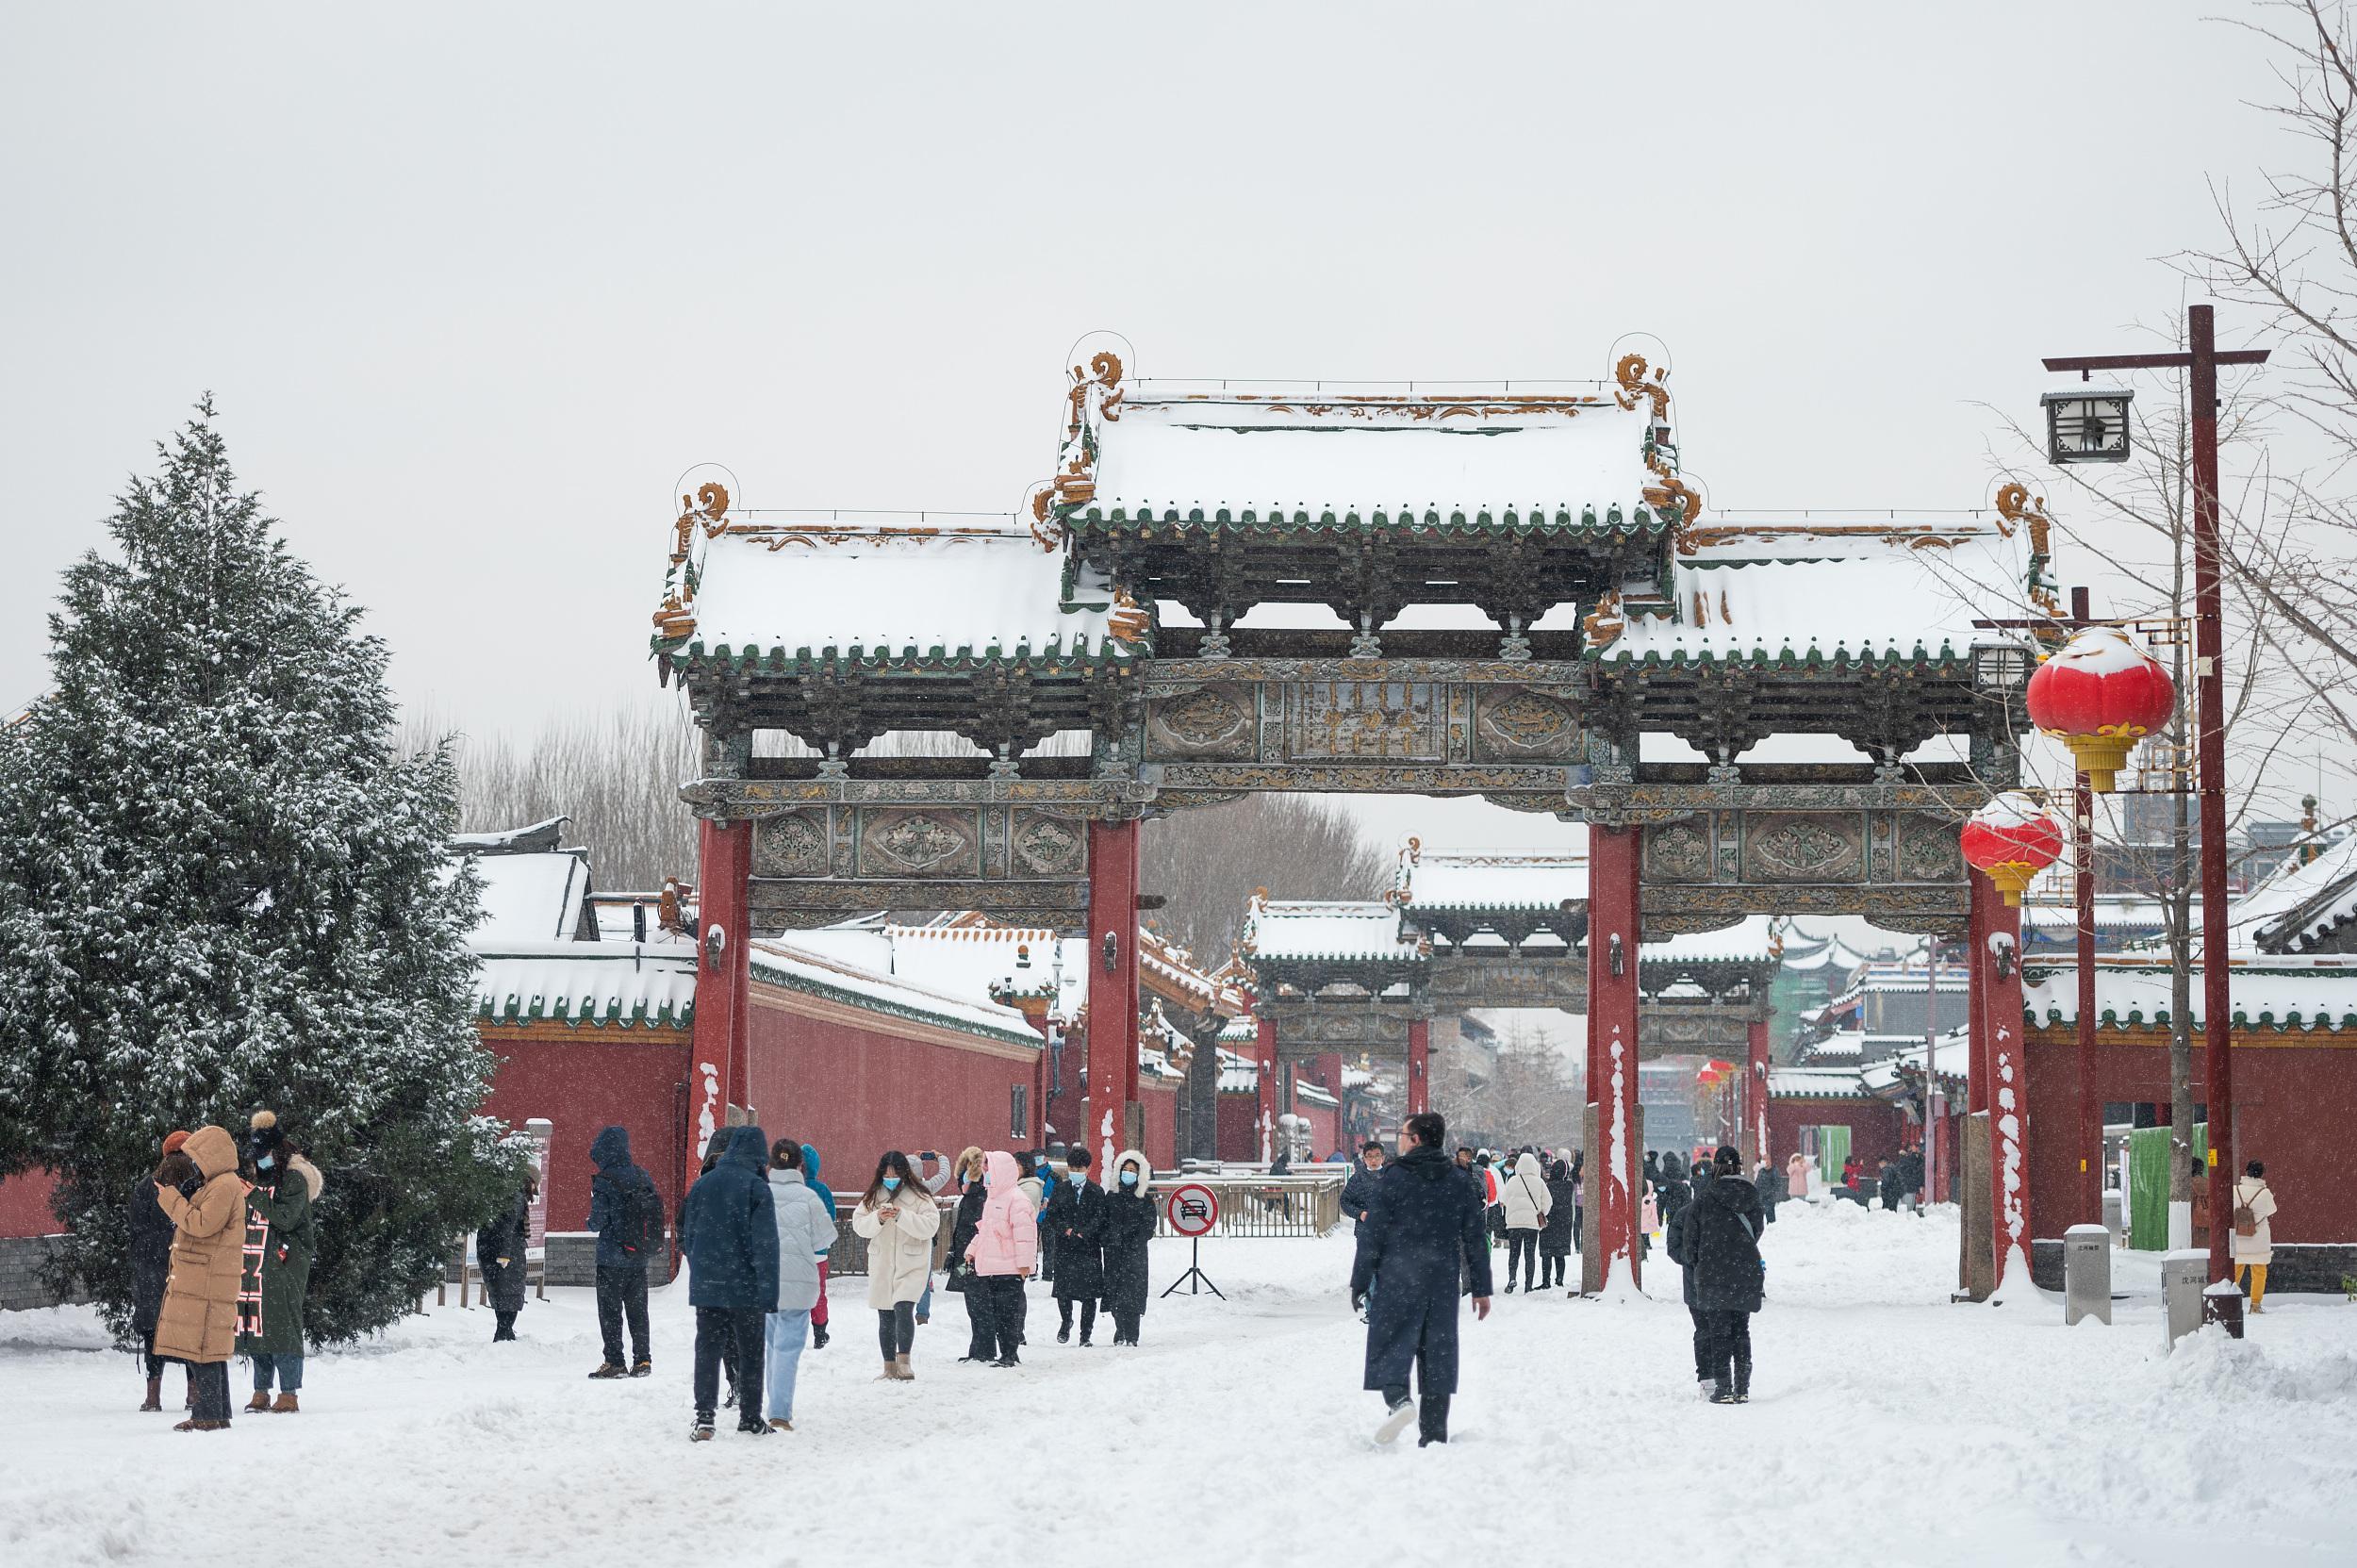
(298, 1165)
(1123, 1160)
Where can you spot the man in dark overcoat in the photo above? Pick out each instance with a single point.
(1424, 1226)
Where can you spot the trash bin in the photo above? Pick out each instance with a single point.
(2222, 1303)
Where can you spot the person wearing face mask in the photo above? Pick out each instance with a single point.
(981, 1340)
(1004, 1250)
(1127, 1225)
(1076, 1213)
(897, 1216)
(281, 1238)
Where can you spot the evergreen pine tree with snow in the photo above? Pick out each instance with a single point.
(223, 888)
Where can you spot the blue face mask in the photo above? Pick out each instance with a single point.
(266, 1162)
(1128, 1178)
(892, 1183)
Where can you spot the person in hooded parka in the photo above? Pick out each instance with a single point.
(1127, 1227)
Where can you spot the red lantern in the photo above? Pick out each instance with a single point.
(2010, 840)
(2100, 696)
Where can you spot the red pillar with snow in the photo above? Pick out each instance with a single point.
(722, 1055)
(1113, 1037)
(1755, 1137)
(1264, 1083)
(1997, 959)
(1612, 954)
(1419, 1066)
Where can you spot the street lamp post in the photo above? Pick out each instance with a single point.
(2204, 360)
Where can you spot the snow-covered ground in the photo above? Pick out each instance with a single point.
(1887, 1427)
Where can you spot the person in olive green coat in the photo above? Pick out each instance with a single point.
(281, 1236)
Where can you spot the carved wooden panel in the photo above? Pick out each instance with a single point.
(1367, 721)
(1804, 847)
(1679, 851)
(1216, 722)
(1513, 724)
(921, 842)
(1046, 844)
(795, 844)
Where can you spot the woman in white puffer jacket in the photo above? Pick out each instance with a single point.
(899, 1220)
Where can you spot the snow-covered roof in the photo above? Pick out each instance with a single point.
(2113, 912)
(1800, 595)
(601, 983)
(1490, 879)
(1334, 929)
(2301, 902)
(809, 594)
(2281, 994)
(1833, 951)
(1238, 1074)
(1813, 1082)
(1216, 459)
(1750, 940)
(1843, 1042)
(1311, 1093)
(1954, 1056)
(530, 898)
(538, 838)
(797, 968)
(1244, 1028)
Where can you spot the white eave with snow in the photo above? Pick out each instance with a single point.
(530, 898)
(798, 969)
(2285, 994)
(2300, 902)
(1790, 594)
(1493, 879)
(1308, 456)
(628, 985)
(812, 593)
(1329, 929)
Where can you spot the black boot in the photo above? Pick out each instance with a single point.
(1432, 1420)
(1742, 1379)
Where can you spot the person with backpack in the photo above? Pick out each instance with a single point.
(627, 1214)
(2252, 1246)
(897, 1216)
(826, 1198)
(805, 1232)
(1719, 1247)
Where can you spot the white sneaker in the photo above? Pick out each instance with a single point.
(1398, 1421)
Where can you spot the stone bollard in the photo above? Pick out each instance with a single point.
(2183, 1275)
(2087, 1274)
(2115, 1212)
(2223, 1303)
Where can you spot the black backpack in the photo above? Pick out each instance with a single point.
(641, 1229)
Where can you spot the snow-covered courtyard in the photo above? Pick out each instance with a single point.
(1887, 1427)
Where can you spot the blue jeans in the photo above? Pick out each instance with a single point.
(783, 1336)
(289, 1367)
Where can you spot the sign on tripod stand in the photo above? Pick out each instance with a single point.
(1191, 1210)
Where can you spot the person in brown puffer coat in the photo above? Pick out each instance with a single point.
(198, 1322)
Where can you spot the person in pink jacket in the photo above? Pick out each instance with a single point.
(1004, 1249)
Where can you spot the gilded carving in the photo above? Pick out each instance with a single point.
(1050, 846)
(1210, 719)
(1780, 848)
(793, 844)
(1679, 852)
(918, 843)
(1929, 851)
(1523, 723)
(1376, 720)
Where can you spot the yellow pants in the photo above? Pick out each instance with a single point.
(2254, 1277)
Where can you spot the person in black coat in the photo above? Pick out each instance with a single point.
(1718, 1243)
(1076, 1217)
(499, 1251)
(1890, 1186)
(1556, 1237)
(1359, 1188)
(151, 1258)
(1671, 1191)
(981, 1343)
(1423, 1228)
(1127, 1226)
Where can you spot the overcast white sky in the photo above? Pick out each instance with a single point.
(472, 285)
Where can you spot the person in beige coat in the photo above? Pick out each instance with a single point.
(2253, 1252)
(198, 1322)
(897, 1216)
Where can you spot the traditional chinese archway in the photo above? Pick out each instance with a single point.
(1751, 718)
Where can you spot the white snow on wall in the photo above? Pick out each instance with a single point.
(1328, 929)
(789, 963)
(2295, 993)
(2296, 888)
(1746, 940)
(1345, 456)
(530, 898)
(1495, 878)
(591, 982)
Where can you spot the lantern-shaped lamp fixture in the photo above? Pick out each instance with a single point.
(2099, 695)
(2089, 425)
(2010, 840)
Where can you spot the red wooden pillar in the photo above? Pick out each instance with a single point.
(1329, 1067)
(1998, 960)
(1754, 1136)
(1112, 1036)
(1976, 929)
(1264, 1078)
(1419, 1066)
(722, 1065)
(1612, 939)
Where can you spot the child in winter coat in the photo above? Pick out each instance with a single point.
(897, 1216)
(1004, 1250)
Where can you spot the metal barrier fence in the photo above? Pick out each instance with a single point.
(1263, 1205)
